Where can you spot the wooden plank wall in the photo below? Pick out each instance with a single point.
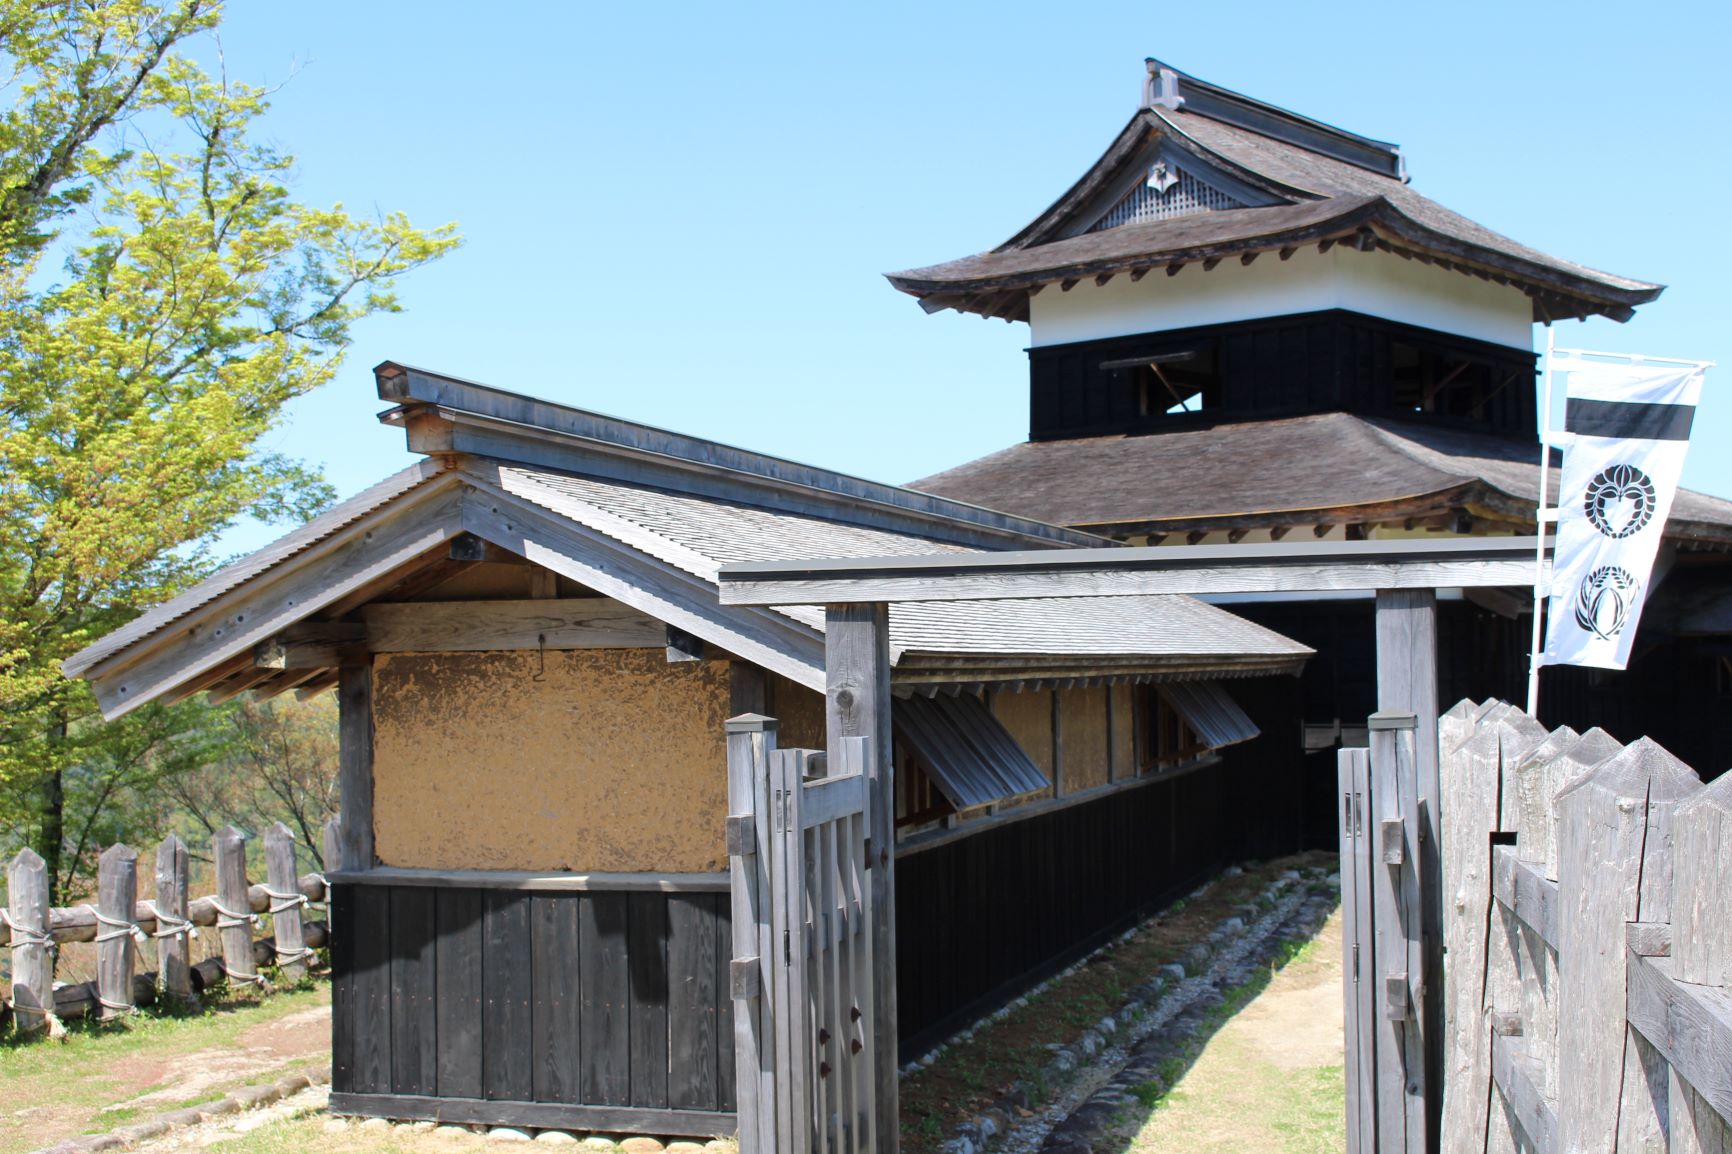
(553, 1009)
(982, 918)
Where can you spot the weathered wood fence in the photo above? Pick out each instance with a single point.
(802, 971)
(1587, 894)
(121, 925)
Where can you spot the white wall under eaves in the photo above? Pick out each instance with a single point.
(1379, 284)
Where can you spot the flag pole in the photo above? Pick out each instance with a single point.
(1540, 532)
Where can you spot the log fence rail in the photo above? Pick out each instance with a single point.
(122, 925)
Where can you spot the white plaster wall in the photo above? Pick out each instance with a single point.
(1379, 284)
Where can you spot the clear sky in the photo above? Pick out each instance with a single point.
(680, 214)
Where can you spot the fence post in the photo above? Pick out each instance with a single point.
(1358, 955)
(234, 905)
(333, 844)
(173, 949)
(117, 895)
(1701, 941)
(1604, 819)
(32, 948)
(1469, 814)
(282, 884)
(1535, 784)
(1400, 975)
(750, 738)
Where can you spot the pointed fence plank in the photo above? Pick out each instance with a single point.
(173, 929)
(1470, 815)
(286, 902)
(32, 950)
(233, 906)
(117, 894)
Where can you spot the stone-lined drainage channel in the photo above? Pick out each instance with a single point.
(1153, 1033)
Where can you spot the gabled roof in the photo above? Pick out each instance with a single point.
(648, 518)
(1284, 181)
(1326, 468)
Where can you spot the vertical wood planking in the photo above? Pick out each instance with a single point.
(1516, 735)
(415, 1042)
(647, 938)
(555, 1023)
(506, 1034)
(1534, 782)
(355, 761)
(234, 907)
(857, 704)
(692, 997)
(604, 1071)
(286, 902)
(1702, 886)
(173, 963)
(117, 894)
(1407, 682)
(857, 758)
(727, 1070)
(1603, 820)
(1359, 1064)
(370, 1004)
(1396, 874)
(344, 1011)
(457, 1021)
(1469, 813)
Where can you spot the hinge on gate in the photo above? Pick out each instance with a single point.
(787, 950)
(1355, 961)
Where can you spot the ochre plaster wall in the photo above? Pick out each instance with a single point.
(1083, 726)
(1028, 717)
(613, 760)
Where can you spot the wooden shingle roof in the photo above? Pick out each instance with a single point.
(1308, 184)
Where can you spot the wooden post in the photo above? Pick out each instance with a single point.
(355, 761)
(284, 890)
(234, 907)
(857, 704)
(32, 949)
(1469, 815)
(1358, 960)
(116, 896)
(751, 738)
(1604, 819)
(173, 950)
(1399, 977)
(1407, 683)
(333, 847)
(1517, 735)
(1702, 886)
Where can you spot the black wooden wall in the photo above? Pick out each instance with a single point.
(984, 917)
(1282, 366)
(552, 1009)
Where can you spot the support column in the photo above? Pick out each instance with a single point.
(355, 761)
(1407, 683)
(857, 704)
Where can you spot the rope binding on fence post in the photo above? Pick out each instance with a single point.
(288, 901)
(24, 935)
(118, 927)
(229, 919)
(168, 925)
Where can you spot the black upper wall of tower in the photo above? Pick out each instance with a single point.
(1306, 363)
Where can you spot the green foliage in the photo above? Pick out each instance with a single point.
(162, 297)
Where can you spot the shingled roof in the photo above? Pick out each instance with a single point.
(1271, 182)
(1334, 468)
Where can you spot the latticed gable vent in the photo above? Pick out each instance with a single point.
(1168, 191)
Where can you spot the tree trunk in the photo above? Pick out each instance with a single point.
(51, 834)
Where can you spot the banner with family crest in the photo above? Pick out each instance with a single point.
(1627, 427)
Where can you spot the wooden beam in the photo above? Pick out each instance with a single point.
(1407, 682)
(1067, 284)
(475, 626)
(1279, 532)
(311, 645)
(355, 763)
(1173, 269)
(1210, 263)
(1103, 278)
(1138, 274)
(857, 704)
(1288, 251)
(1246, 258)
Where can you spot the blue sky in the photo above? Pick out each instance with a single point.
(681, 214)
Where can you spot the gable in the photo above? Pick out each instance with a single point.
(1159, 182)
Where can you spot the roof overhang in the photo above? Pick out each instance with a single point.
(1282, 567)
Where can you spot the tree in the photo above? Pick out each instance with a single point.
(162, 297)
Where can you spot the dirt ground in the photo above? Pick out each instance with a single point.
(98, 1079)
(1271, 1078)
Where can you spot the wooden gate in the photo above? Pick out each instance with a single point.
(801, 976)
(1383, 969)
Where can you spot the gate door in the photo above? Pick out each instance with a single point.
(801, 974)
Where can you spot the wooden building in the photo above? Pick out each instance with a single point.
(534, 669)
(1244, 325)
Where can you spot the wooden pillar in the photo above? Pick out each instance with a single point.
(355, 761)
(857, 704)
(117, 900)
(1407, 683)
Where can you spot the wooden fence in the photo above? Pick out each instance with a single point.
(1587, 893)
(121, 925)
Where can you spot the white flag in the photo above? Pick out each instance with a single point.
(1628, 427)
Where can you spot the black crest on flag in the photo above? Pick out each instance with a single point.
(1602, 602)
(1620, 500)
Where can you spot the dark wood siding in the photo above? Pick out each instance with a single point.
(1283, 366)
(602, 1010)
(984, 917)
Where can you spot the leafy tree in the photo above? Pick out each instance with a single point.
(162, 296)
